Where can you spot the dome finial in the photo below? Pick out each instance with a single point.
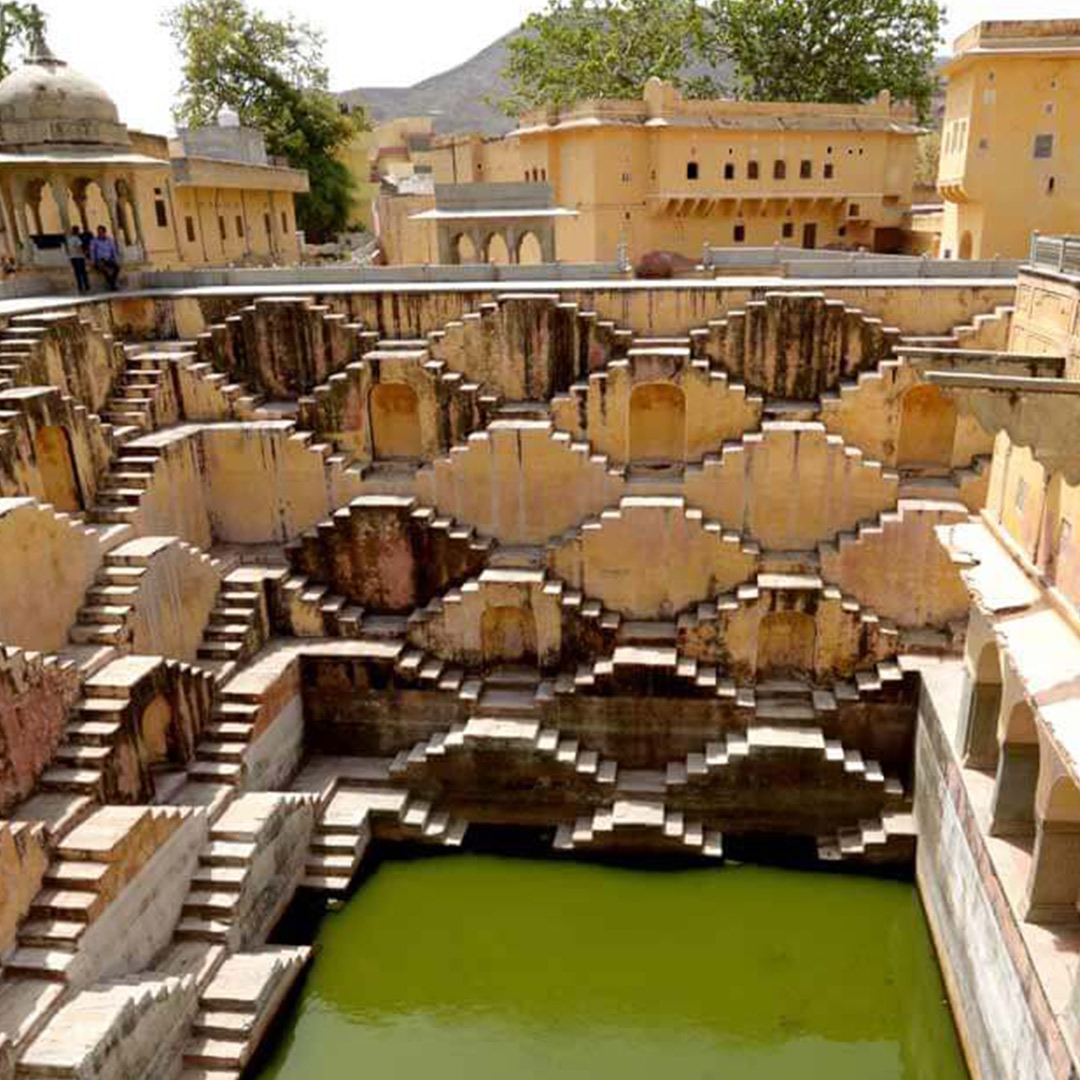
(40, 53)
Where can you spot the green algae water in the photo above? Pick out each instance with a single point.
(485, 968)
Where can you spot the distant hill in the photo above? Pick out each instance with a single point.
(455, 98)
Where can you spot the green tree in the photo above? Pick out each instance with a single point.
(830, 50)
(20, 24)
(580, 49)
(272, 74)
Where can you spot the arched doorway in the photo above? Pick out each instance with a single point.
(154, 731)
(465, 250)
(508, 636)
(980, 748)
(56, 466)
(966, 246)
(497, 252)
(657, 424)
(530, 251)
(394, 410)
(1013, 809)
(927, 428)
(787, 645)
(1053, 887)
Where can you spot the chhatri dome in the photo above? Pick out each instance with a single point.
(47, 103)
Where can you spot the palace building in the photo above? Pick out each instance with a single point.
(207, 198)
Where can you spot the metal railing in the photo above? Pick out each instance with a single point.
(1061, 253)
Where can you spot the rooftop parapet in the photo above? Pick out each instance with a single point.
(1013, 34)
(663, 105)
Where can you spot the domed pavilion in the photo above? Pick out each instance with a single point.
(209, 197)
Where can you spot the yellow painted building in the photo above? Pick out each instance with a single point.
(668, 174)
(209, 197)
(1010, 159)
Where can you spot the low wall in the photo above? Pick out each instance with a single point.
(1007, 1023)
(372, 275)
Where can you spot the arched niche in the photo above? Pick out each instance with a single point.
(967, 245)
(394, 412)
(530, 251)
(56, 466)
(927, 428)
(496, 250)
(980, 747)
(787, 645)
(465, 250)
(1012, 810)
(657, 424)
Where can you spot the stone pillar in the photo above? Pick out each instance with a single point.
(1013, 808)
(11, 227)
(136, 213)
(23, 223)
(448, 255)
(35, 211)
(546, 235)
(979, 733)
(512, 239)
(1053, 887)
(60, 194)
(108, 192)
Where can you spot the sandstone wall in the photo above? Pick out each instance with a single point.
(24, 858)
(34, 701)
(49, 561)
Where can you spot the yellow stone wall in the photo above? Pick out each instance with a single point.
(1000, 97)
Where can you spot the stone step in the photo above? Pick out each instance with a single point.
(75, 781)
(210, 905)
(215, 1053)
(196, 929)
(227, 853)
(224, 1025)
(222, 751)
(49, 934)
(76, 874)
(219, 879)
(64, 905)
(92, 732)
(216, 772)
(79, 755)
(322, 883)
(29, 963)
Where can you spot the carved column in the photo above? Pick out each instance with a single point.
(60, 194)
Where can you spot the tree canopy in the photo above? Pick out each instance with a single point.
(20, 24)
(780, 50)
(271, 73)
(830, 50)
(580, 49)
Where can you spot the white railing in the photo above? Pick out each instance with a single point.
(1061, 253)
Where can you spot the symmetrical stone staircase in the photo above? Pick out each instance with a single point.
(638, 815)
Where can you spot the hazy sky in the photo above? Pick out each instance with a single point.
(120, 43)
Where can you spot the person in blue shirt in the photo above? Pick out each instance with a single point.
(105, 256)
